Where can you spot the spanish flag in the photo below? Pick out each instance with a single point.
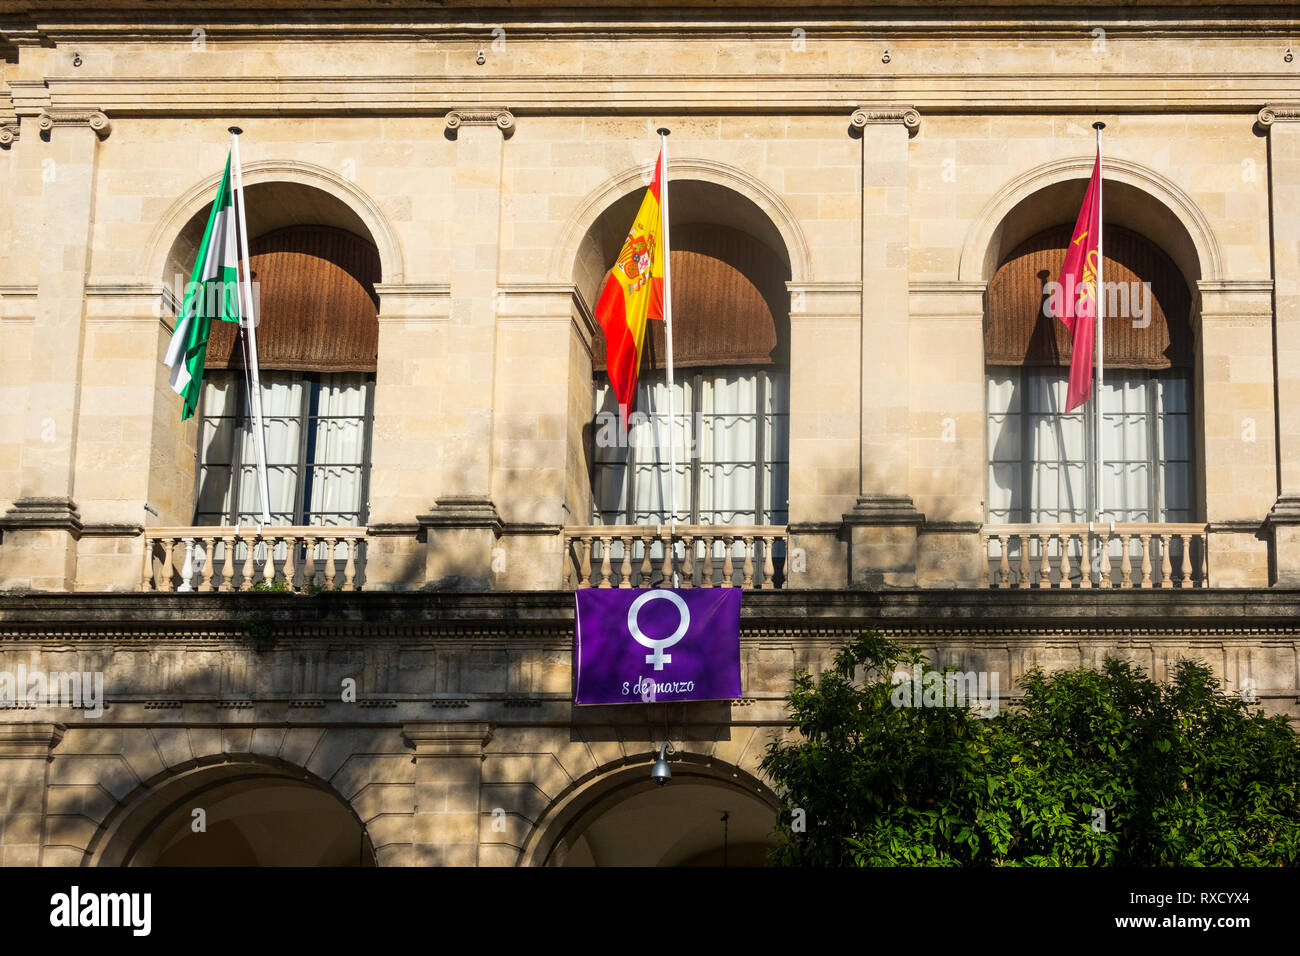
(633, 293)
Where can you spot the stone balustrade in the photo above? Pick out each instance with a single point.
(290, 558)
(1134, 555)
(639, 556)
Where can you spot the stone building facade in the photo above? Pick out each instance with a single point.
(891, 173)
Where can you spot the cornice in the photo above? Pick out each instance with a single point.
(472, 98)
(947, 288)
(547, 616)
(1236, 286)
(43, 23)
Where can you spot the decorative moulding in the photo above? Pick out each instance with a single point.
(98, 122)
(500, 117)
(883, 116)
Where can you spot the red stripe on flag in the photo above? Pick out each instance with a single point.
(621, 358)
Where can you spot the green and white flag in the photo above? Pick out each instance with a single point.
(212, 293)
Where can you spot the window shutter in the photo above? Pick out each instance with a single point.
(730, 304)
(318, 307)
(1017, 332)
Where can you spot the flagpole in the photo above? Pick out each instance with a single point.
(250, 327)
(1100, 336)
(668, 338)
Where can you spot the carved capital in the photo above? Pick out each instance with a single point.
(448, 738)
(29, 740)
(97, 121)
(9, 132)
(502, 119)
(1278, 113)
(863, 117)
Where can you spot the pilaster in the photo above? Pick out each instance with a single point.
(883, 524)
(1282, 124)
(41, 529)
(448, 778)
(25, 750)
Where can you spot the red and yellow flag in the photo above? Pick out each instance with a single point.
(633, 293)
(1076, 302)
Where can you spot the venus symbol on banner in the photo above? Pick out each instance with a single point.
(622, 639)
(658, 658)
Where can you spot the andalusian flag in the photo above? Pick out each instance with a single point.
(633, 293)
(212, 293)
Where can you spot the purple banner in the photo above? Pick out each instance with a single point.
(638, 646)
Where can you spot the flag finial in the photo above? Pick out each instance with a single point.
(663, 131)
(1099, 125)
(234, 130)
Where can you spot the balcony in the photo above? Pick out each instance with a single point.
(1150, 555)
(695, 556)
(285, 558)
(479, 555)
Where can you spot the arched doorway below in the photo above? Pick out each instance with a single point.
(680, 824)
(251, 818)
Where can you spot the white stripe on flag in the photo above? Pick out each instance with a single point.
(180, 374)
(221, 249)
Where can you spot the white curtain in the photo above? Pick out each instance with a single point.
(217, 432)
(337, 465)
(718, 432)
(1145, 437)
(282, 398)
(334, 451)
(728, 436)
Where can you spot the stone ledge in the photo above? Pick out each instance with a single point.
(462, 511)
(884, 510)
(486, 615)
(29, 739)
(1285, 511)
(58, 514)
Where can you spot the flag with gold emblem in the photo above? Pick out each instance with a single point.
(1075, 304)
(633, 294)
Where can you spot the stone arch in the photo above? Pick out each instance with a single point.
(763, 251)
(783, 227)
(595, 793)
(300, 194)
(365, 212)
(1141, 201)
(1163, 207)
(127, 836)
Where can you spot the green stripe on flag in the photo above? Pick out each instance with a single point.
(212, 293)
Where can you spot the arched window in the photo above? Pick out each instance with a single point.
(731, 394)
(1038, 454)
(317, 337)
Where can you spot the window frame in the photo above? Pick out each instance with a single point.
(307, 415)
(761, 463)
(1155, 489)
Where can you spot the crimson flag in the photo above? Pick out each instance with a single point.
(1075, 303)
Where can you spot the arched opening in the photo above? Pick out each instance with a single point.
(314, 267)
(731, 353)
(1041, 458)
(698, 819)
(237, 814)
